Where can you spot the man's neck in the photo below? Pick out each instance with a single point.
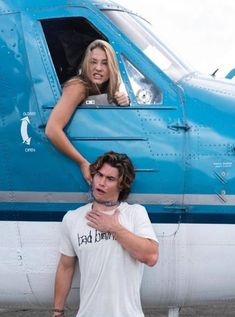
(104, 206)
(107, 204)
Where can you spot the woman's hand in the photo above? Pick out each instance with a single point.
(85, 168)
(122, 98)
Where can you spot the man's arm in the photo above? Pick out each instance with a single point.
(142, 249)
(63, 280)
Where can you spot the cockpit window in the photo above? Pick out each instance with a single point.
(67, 39)
(144, 89)
(140, 32)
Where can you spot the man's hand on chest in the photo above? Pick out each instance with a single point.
(104, 222)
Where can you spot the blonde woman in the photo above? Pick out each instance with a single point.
(99, 76)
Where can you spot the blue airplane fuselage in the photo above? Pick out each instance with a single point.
(182, 147)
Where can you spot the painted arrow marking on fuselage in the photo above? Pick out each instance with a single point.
(24, 130)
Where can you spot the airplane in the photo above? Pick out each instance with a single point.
(179, 130)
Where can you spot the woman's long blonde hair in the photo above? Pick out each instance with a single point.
(114, 77)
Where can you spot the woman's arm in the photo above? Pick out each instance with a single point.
(72, 95)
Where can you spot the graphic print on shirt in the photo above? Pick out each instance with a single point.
(94, 237)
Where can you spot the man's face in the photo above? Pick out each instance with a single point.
(106, 185)
(98, 72)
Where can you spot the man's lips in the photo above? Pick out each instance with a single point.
(100, 190)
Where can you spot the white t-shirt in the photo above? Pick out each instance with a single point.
(110, 277)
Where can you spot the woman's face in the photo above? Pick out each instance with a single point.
(98, 70)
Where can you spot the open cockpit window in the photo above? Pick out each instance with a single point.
(67, 40)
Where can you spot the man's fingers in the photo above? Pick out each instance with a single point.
(92, 216)
(91, 224)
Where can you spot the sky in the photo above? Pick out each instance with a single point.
(201, 32)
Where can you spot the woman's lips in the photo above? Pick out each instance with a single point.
(97, 76)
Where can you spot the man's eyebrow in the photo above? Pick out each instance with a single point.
(111, 177)
(107, 176)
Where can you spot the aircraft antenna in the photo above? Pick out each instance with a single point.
(214, 73)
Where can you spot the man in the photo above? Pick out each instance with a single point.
(112, 240)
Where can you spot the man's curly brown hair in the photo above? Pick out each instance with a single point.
(125, 168)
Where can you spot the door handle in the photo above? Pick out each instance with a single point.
(177, 126)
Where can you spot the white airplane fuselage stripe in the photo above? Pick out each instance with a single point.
(183, 271)
(150, 199)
